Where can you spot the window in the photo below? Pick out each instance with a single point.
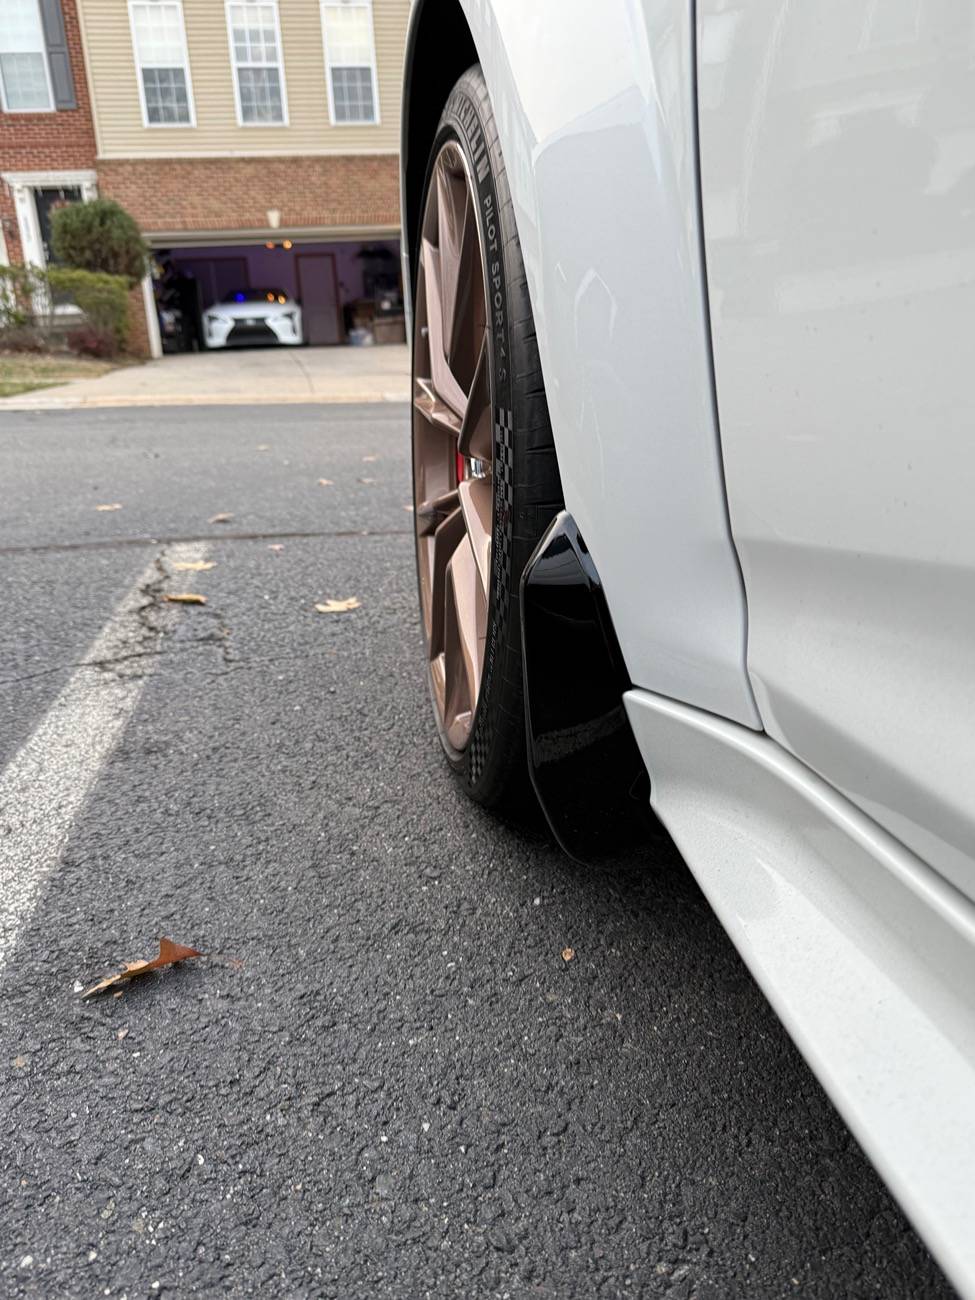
(163, 65)
(350, 60)
(25, 79)
(255, 49)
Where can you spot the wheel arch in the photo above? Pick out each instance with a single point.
(621, 321)
(439, 49)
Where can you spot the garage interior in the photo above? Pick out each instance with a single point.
(350, 291)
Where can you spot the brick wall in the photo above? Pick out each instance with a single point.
(59, 141)
(138, 344)
(203, 194)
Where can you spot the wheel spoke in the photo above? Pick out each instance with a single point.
(476, 500)
(438, 413)
(444, 382)
(451, 230)
(448, 537)
(431, 514)
(474, 439)
(463, 635)
(465, 332)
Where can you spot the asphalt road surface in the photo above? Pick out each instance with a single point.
(384, 1081)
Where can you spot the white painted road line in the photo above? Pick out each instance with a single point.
(45, 785)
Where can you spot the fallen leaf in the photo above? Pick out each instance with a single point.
(367, 480)
(20, 1062)
(409, 508)
(369, 458)
(185, 598)
(338, 606)
(324, 482)
(122, 1033)
(220, 519)
(264, 447)
(115, 505)
(194, 566)
(276, 546)
(568, 954)
(169, 954)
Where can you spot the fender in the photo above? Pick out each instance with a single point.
(604, 182)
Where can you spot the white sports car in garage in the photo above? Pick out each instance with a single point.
(693, 301)
(253, 316)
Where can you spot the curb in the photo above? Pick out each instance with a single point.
(197, 399)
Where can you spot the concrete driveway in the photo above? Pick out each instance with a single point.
(246, 376)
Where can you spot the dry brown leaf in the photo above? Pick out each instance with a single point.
(276, 546)
(220, 519)
(115, 505)
(367, 459)
(263, 447)
(568, 954)
(338, 606)
(122, 1033)
(324, 482)
(367, 480)
(20, 1062)
(409, 508)
(193, 566)
(185, 598)
(169, 954)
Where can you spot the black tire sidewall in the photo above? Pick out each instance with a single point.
(493, 760)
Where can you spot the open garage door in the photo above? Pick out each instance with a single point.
(349, 290)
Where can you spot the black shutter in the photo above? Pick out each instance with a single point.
(58, 58)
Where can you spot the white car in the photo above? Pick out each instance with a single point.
(253, 316)
(693, 302)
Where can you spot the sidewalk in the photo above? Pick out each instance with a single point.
(245, 377)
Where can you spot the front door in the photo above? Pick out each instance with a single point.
(838, 174)
(318, 292)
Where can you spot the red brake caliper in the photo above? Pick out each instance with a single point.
(460, 468)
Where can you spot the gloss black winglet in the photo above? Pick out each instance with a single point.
(584, 761)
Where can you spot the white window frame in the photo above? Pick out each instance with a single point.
(350, 4)
(139, 65)
(51, 108)
(235, 66)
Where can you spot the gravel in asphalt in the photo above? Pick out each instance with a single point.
(385, 1081)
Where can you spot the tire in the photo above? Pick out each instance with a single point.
(489, 758)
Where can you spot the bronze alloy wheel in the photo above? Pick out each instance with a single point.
(485, 476)
(452, 445)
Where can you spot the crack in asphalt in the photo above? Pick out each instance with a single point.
(154, 620)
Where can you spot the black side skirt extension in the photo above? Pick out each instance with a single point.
(585, 765)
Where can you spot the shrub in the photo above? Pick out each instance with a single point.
(18, 286)
(104, 300)
(99, 236)
(23, 338)
(88, 341)
(29, 296)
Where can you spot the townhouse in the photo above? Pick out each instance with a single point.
(254, 141)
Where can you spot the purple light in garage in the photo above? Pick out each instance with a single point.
(239, 297)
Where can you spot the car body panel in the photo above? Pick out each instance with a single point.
(602, 171)
(865, 952)
(838, 176)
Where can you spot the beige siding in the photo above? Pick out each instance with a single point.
(118, 115)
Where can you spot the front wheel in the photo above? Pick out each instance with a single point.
(485, 475)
